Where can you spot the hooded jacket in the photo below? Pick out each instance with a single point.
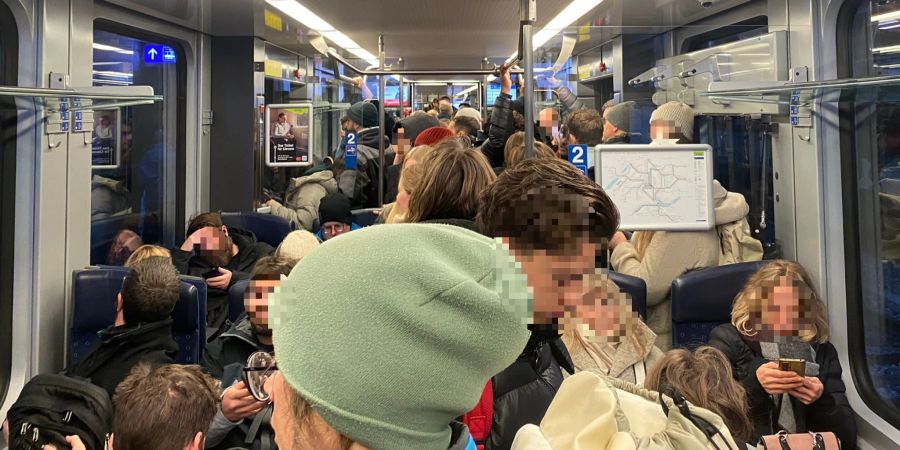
(121, 348)
(500, 130)
(628, 362)
(361, 184)
(249, 251)
(301, 200)
(831, 412)
(672, 253)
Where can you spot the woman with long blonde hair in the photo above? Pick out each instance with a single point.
(777, 343)
(410, 179)
(605, 335)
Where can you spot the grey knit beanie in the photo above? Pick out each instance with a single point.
(679, 115)
(620, 116)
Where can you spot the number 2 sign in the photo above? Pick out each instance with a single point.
(578, 157)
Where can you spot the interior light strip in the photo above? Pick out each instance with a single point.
(564, 19)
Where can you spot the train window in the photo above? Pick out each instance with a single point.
(747, 29)
(8, 53)
(870, 151)
(137, 187)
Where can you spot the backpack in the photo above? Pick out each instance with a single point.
(52, 407)
(481, 418)
(737, 244)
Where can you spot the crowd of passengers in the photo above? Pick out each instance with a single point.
(472, 316)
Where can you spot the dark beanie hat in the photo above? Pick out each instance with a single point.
(363, 114)
(414, 125)
(433, 136)
(335, 208)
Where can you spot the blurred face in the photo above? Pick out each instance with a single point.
(126, 243)
(557, 281)
(282, 118)
(546, 119)
(664, 129)
(444, 102)
(403, 144)
(604, 309)
(781, 308)
(104, 121)
(256, 302)
(332, 229)
(215, 246)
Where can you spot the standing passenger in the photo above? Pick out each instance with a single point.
(617, 124)
(361, 184)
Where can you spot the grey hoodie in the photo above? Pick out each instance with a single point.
(303, 196)
(672, 253)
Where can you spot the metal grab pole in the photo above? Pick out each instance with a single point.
(528, 12)
(381, 89)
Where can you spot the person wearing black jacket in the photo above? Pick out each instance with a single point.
(778, 316)
(220, 255)
(360, 184)
(554, 221)
(501, 127)
(142, 332)
(241, 421)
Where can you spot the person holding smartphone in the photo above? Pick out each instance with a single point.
(777, 343)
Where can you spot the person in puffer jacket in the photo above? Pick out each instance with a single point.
(302, 198)
(554, 220)
(501, 127)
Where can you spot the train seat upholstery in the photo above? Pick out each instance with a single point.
(94, 299)
(365, 217)
(236, 299)
(267, 228)
(701, 300)
(635, 287)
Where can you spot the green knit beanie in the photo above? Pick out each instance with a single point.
(392, 331)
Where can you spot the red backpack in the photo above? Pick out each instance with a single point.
(481, 418)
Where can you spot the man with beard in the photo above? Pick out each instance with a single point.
(241, 415)
(220, 255)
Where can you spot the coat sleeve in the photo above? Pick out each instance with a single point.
(219, 429)
(499, 131)
(305, 209)
(832, 412)
(744, 363)
(568, 98)
(668, 256)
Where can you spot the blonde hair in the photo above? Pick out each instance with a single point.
(602, 289)
(746, 313)
(146, 251)
(454, 178)
(705, 379)
(514, 151)
(410, 178)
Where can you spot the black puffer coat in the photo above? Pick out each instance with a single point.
(831, 412)
(501, 129)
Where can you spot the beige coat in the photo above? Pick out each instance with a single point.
(625, 359)
(301, 201)
(672, 253)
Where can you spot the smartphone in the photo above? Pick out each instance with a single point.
(797, 366)
(212, 273)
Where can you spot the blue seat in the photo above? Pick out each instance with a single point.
(701, 300)
(94, 309)
(236, 299)
(365, 217)
(635, 287)
(267, 228)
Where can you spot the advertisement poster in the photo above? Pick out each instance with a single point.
(289, 135)
(105, 140)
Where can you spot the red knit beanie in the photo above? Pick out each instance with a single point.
(433, 136)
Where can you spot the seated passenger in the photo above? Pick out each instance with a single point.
(163, 408)
(146, 251)
(220, 255)
(608, 338)
(109, 198)
(617, 123)
(345, 389)
(361, 184)
(514, 151)
(778, 315)
(296, 245)
(302, 197)
(704, 378)
(404, 138)
(658, 257)
(411, 179)
(453, 179)
(336, 217)
(125, 242)
(554, 220)
(673, 121)
(237, 420)
(143, 328)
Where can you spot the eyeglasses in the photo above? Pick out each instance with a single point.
(260, 366)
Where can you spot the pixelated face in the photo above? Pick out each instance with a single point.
(604, 309)
(256, 302)
(215, 246)
(547, 120)
(665, 129)
(782, 307)
(403, 143)
(557, 280)
(332, 229)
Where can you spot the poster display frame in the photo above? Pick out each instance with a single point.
(270, 156)
(116, 139)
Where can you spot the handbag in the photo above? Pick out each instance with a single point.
(800, 441)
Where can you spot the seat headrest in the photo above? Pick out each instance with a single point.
(267, 228)
(236, 299)
(706, 295)
(94, 294)
(633, 286)
(186, 313)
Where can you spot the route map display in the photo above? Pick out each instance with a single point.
(659, 187)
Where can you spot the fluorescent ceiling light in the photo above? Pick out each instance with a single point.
(564, 19)
(309, 19)
(109, 73)
(890, 49)
(463, 93)
(110, 48)
(445, 82)
(886, 16)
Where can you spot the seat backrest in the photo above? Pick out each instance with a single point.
(702, 299)
(267, 228)
(236, 299)
(94, 295)
(635, 287)
(365, 217)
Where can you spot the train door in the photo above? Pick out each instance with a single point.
(8, 55)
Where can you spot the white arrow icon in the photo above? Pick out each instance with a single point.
(152, 52)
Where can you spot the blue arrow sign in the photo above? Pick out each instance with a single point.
(158, 54)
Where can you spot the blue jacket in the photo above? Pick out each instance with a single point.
(321, 233)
